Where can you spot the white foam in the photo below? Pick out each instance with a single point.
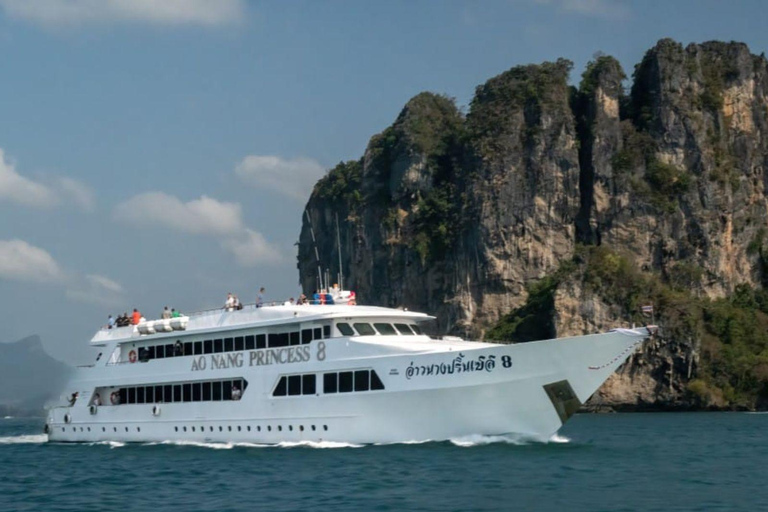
(556, 438)
(7, 417)
(25, 439)
(519, 440)
(229, 446)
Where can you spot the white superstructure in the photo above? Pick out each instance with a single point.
(342, 373)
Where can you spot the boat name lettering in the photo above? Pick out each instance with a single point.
(458, 365)
(254, 358)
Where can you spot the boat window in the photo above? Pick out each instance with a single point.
(364, 329)
(239, 343)
(385, 329)
(250, 342)
(168, 393)
(198, 348)
(206, 391)
(318, 333)
(282, 387)
(187, 392)
(177, 393)
(345, 329)
(131, 395)
(376, 383)
(294, 385)
(306, 336)
(345, 382)
(229, 344)
(216, 388)
(416, 328)
(295, 339)
(362, 380)
(169, 350)
(208, 347)
(404, 329)
(159, 352)
(123, 394)
(326, 331)
(151, 352)
(188, 349)
(149, 394)
(308, 384)
(226, 390)
(197, 392)
(218, 346)
(159, 394)
(261, 341)
(330, 382)
(140, 395)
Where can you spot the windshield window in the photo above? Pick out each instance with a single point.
(345, 329)
(416, 328)
(404, 329)
(364, 329)
(385, 329)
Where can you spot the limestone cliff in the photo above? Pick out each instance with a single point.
(497, 215)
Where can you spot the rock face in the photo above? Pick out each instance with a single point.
(460, 215)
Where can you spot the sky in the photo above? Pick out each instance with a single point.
(161, 153)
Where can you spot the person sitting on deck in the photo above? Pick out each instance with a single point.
(230, 303)
(352, 299)
(166, 313)
(136, 317)
(174, 313)
(110, 322)
(316, 298)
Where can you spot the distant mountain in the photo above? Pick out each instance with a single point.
(28, 377)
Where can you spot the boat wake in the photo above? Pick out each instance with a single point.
(25, 439)
(230, 446)
(479, 440)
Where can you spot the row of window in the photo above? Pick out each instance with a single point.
(292, 385)
(204, 391)
(202, 429)
(385, 329)
(234, 344)
(347, 382)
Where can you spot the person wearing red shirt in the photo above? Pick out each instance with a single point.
(136, 316)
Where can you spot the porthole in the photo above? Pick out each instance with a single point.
(301, 428)
(229, 428)
(103, 429)
(239, 428)
(138, 429)
(313, 428)
(202, 429)
(258, 429)
(184, 428)
(114, 428)
(126, 429)
(325, 427)
(211, 428)
(249, 428)
(221, 429)
(63, 429)
(176, 429)
(290, 427)
(269, 428)
(89, 429)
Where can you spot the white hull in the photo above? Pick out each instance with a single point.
(433, 390)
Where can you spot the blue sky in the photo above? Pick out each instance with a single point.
(161, 153)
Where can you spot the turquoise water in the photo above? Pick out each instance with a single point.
(621, 462)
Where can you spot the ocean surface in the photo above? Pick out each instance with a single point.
(617, 462)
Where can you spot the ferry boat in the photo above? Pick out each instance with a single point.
(341, 373)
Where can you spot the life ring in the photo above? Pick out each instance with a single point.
(132, 356)
(114, 398)
(156, 410)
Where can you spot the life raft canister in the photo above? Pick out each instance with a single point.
(114, 398)
(132, 356)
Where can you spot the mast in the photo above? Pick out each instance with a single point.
(338, 244)
(317, 254)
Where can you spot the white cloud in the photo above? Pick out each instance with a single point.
(21, 261)
(204, 216)
(21, 190)
(15, 187)
(251, 249)
(291, 177)
(95, 289)
(609, 9)
(161, 12)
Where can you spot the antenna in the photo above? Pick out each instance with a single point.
(317, 254)
(338, 244)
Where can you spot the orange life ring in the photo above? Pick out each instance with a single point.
(114, 398)
(132, 356)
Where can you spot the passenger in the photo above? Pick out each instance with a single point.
(178, 349)
(174, 313)
(73, 398)
(126, 320)
(260, 298)
(229, 304)
(329, 299)
(97, 400)
(166, 313)
(236, 303)
(236, 393)
(316, 298)
(352, 300)
(136, 317)
(110, 322)
(302, 300)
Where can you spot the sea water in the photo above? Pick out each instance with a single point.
(617, 462)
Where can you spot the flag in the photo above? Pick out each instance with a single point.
(647, 309)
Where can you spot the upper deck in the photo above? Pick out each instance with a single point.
(266, 316)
